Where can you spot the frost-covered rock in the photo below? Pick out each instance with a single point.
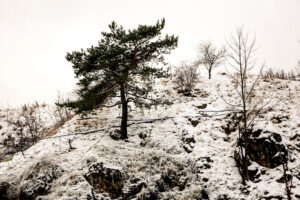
(135, 187)
(266, 150)
(115, 134)
(188, 141)
(106, 179)
(149, 194)
(38, 179)
(204, 163)
(35, 181)
(170, 179)
(7, 191)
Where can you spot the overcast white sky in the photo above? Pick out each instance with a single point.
(35, 35)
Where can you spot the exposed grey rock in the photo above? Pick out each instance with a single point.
(171, 179)
(188, 148)
(105, 179)
(204, 163)
(282, 178)
(38, 179)
(7, 191)
(142, 135)
(188, 141)
(149, 194)
(115, 134)
(267, 151)
(202, 106)
(35, 182)
(133, 189)
(194, 122)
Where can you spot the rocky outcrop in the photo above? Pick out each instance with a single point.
(106, 179)
(7, 191)
(266, 150)
(136, 186)
(170, 179)
(35, 182)
(231, 123)
(116, 183)
(149, 194)
(188, 141)
(38, 181)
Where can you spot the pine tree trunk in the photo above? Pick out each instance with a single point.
(124, 112)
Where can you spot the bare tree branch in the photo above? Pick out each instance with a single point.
(209, 56)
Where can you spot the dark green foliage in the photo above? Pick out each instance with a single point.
(121, 65)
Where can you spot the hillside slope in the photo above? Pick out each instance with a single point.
(187, 156)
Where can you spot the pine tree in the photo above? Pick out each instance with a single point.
(121, 66)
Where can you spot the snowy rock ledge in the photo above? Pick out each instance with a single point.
(34, 181)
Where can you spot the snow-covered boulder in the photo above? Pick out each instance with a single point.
(34, 182)
(106, 179)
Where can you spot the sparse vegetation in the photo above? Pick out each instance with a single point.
(61, 113)
(287, 175)
(183, 151)
(281, 74)
(186, 76)
(241, 50)
(28, 127)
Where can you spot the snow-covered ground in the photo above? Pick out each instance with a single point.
(192, 145)
(44, 116)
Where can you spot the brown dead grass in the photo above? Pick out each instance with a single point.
(55, 128)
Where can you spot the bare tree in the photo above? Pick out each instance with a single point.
(61, 114)
(19, 128)
(32, 118)
(209, 56)
(27, 128)
(241, 51)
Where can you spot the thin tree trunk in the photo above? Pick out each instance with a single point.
(242, 156)
(246, 138)
(287, 180)
(209, 73)
(124, 112)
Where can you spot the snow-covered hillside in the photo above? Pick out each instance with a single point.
(189, 155)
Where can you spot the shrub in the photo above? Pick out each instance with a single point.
(186, 77)
(28, 127)
(61, 113)
(281, 74)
